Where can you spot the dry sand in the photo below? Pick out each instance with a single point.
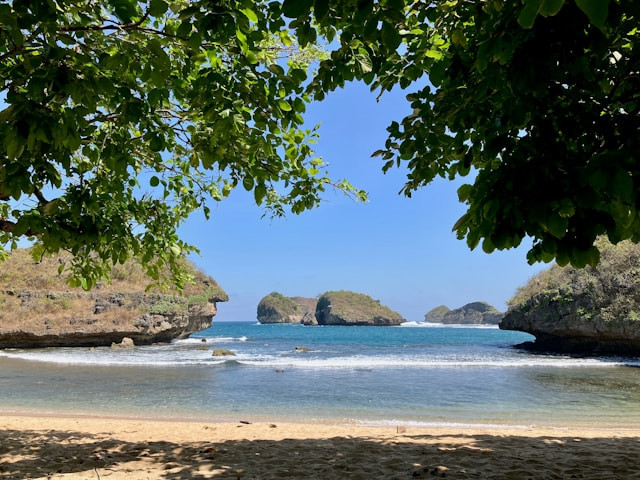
(105, 448)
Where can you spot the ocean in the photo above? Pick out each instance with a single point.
(415, 374)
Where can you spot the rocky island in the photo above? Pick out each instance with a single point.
(38, 308)
(588, 310)
(330, 308)
(475, 313)
(276, 308)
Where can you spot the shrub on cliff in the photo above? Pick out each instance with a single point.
(611, 290)
(344, 307)
(276, 304)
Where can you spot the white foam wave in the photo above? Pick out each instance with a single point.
(176, 357)
(446, 325)
(199, 340)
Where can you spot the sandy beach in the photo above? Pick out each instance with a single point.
(50, 447)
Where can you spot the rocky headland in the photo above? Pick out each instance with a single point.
(276, 308)
(38, 308)
(590, 310)
(330, 308)
(475, 313)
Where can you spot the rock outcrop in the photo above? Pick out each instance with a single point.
(276, 308)
(589, 310)
(350, 308)
(40, 310)
(436, 315)
(475, 313)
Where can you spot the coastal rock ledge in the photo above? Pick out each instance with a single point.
(589, 310)
(40, 310)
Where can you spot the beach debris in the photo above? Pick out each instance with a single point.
(125, 343)
(273, 425)
(222, 352)
(401, 429)
(204, 340)
(244, 422)
(301, 349)
(279, 370)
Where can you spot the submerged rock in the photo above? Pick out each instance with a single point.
(125, 343)
(222, 352)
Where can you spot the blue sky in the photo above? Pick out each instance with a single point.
(400, 251)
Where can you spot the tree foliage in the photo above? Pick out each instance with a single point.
(123, 117)
(539, 99)
(120, 118)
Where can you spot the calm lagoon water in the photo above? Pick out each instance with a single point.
(416, 374)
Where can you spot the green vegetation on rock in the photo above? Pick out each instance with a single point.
(590, 309)
(351, 308)
(277, 308)
(435, 315)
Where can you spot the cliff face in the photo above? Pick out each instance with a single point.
(349, 308)
(595, 310)
(276, 308)
(49, 314)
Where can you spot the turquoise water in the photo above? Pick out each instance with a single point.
(414, 374)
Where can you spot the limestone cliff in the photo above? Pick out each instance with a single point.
(350, 308)
(594, 310)
(277, 308)
(38, 309)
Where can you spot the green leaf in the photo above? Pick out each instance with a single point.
(154, 181)
(175, 249)
(549, 8)
(393, 4)
(390, 36)
(529, 13)
(284, 105)
(320, 9)
(596, 10)
(557, 225)
(247, 183)
(156, 144)
(157, 8)
(296, 8)
(464, 192)
(250, 14)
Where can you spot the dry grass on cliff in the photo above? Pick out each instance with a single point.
(60, 313)
(22, 272)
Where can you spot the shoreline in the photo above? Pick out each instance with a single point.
(330, 422)
(80, 447)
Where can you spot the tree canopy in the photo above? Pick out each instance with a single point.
(122, 117)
